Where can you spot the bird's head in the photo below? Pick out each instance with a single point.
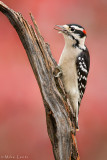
(73, 32)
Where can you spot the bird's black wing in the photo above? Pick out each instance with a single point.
(83, 65)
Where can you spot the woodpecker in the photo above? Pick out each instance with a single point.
(74, 63)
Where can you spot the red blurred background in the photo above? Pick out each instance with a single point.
(23, 129)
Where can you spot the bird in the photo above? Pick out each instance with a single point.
(74, 63)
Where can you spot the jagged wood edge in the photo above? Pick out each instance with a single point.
(58, 112)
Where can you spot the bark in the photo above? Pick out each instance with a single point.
(59, 113)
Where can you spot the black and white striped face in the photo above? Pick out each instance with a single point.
(76, 30)
(73, 31)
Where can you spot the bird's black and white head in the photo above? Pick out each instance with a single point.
(74, 34)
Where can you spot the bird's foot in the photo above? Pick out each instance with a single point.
(57, 72)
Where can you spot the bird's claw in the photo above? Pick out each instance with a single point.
(57, 72)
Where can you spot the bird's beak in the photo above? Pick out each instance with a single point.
(60, 28)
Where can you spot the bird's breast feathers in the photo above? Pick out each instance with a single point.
(67, 63)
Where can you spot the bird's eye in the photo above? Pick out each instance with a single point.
(72, 29)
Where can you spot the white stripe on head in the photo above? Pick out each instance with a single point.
(77, 27)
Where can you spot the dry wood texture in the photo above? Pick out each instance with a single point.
(59, 114)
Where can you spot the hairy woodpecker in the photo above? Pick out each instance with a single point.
(74, 63)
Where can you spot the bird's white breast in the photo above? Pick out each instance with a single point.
(67, 63)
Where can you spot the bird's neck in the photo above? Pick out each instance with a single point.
(81, 44)
(76, 43)
(69, 52)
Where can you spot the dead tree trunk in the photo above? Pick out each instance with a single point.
(59, 115)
